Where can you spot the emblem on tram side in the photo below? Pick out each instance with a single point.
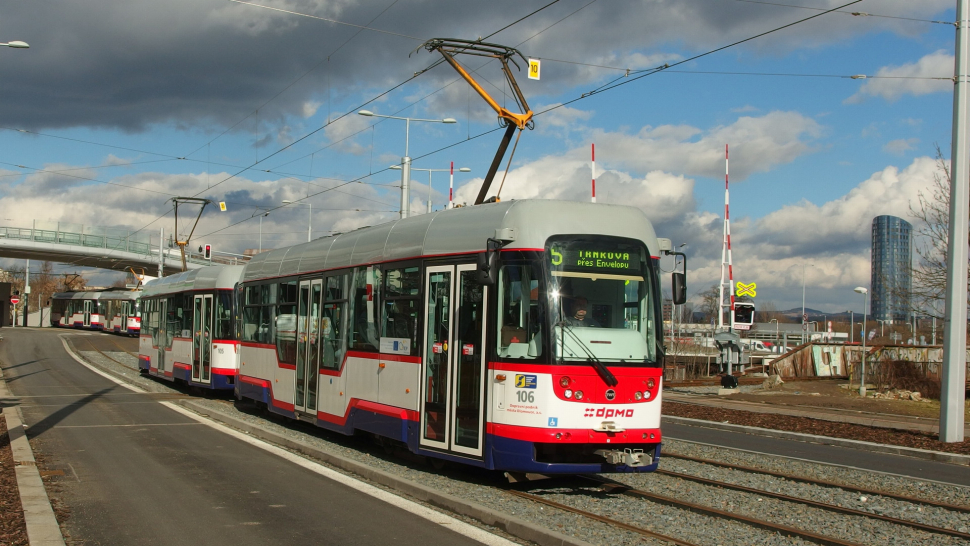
(610, 394)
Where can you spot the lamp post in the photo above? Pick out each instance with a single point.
(804, 318)
(450, 169)
(15, 44)
(406, 160)
(261, 216)
(865, 316)
(776, 329)
(309, 227)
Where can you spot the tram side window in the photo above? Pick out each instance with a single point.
(286, 322)
(520, 315)
(258, 304)
(400, 316)
(223, 322)
(366, 294)
(333, 326)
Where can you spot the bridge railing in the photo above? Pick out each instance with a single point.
(90, 237)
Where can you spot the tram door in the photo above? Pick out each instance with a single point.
(453, 368)
(308, 346)
(125, 310)
(88, 306)
(202, 339)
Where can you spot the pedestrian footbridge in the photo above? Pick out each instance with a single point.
(96, 246)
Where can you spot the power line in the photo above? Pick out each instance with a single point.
(362, 27)
(854, 13)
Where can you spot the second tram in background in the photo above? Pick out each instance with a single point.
(117, 311)
(523, 336)
(189, 330)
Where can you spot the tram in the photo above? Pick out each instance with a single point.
(189, 332)
(110, 310)
(523, 336)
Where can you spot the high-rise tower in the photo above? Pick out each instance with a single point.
(892, 271)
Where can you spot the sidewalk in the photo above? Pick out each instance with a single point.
(881, 420)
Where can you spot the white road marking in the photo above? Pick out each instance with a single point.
(412, 507)
(95, 370)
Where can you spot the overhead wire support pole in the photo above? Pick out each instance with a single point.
(449, 47)
(954, 378)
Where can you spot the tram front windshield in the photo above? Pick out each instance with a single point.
(602, 298)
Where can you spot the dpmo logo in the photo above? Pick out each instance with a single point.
(607, 412)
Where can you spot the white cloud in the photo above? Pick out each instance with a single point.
(756, 143)
(900, 145)
(909, 79)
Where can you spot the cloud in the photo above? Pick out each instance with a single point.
(756, 144)
(909, 79)
(900, 145)
(209, 65)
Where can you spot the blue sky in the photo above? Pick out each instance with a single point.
(115, 92)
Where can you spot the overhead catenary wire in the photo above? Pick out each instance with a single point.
(854, 13)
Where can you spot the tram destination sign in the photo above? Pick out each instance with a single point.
(619, 259)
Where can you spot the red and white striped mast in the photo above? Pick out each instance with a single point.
(726, 301)
(593, 169)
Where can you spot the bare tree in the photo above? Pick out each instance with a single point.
(710, 303)
(72, 282)
(765, 311)
(932, 216)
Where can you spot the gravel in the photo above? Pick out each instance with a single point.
(487, 488)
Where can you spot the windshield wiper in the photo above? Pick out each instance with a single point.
(601, 368)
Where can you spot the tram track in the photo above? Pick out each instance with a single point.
(823, 483)
(614, 488)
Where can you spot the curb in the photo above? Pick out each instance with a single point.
(939, 456)
(514, 526)
(42, 527)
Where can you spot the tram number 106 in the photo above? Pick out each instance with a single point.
(526, 396)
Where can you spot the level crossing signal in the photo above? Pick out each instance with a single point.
(743, 315)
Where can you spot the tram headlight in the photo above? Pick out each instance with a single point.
(568, 393)
(651, 383)
(579, 395)
(638, 396)
(564, 381)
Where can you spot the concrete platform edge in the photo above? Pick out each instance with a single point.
(939, 456)
(510, 524)
(42, 526)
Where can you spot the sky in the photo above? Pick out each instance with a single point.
(119, 106)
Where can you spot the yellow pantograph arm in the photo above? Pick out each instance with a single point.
(519, 120)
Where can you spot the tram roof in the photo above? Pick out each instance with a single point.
(212, 277)
(98, 295)
(454, 231)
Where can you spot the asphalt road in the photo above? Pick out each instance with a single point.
(137, 472)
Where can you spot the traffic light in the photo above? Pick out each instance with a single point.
(207, 253)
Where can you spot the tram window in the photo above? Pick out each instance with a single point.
(286, 323)
(402, 282)
(333, 323)
(519, 313)
(366, 292)
(223, 325)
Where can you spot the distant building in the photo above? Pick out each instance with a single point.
(892, 272)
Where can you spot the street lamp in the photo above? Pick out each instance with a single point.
(309, 227)
(261, 216)
(16, 44)
(865, 315)
(451, 185)
(406, 161)
(776, 329)
(804, 318)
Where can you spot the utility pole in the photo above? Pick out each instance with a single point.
(954, 378)
(26, 292)
(161, 255)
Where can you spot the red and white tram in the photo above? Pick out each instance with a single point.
(523, 336)
(190, 333)
(110, 310)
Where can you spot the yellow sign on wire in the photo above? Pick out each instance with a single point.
(534, 69)
(747, 289)
(222, 206)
